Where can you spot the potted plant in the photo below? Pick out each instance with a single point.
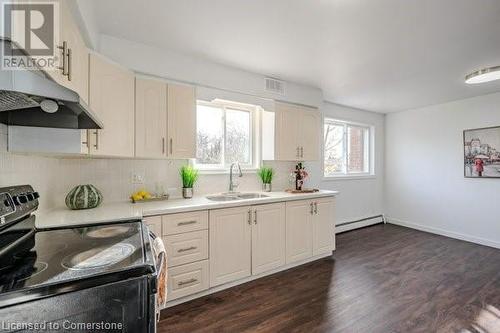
(189, 176)
(266, 175)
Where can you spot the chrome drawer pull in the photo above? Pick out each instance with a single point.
(185, 223)
(187, 249)
(181, 283)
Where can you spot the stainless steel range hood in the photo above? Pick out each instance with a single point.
(22, 91)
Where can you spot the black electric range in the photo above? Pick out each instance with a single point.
(99, 278)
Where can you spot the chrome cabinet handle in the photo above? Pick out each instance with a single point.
(298, 152)
(163, 145)
(255, 216)
(87, 139)
(301, 151)
(186, 249)
(315, 208)
(69, 71)
(249, 217)
(96, 145)
(171, 146)
(181, 283)
(312, 209)
(64, 49)
(185, 223)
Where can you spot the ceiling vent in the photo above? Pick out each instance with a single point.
(275, 86)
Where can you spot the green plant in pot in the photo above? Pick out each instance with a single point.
(266, 175)
(189, 176)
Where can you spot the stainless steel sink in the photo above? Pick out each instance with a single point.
(252, 196)
(222, 198)
(236, 196)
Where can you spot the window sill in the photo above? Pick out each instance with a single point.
(349, 177)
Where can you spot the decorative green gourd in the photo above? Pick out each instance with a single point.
(83, 197)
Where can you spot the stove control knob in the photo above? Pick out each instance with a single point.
(30, 196)
(36, 195)
(22, 199)
(16, 200)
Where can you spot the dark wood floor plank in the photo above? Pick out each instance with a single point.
(383, 278)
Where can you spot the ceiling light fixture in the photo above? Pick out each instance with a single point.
(483, 75)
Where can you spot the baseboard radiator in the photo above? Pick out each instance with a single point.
(364, 222)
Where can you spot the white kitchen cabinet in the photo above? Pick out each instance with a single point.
(187, 279)
(268, 237)
(310, 228)
(72, 53)
(293, 132)
(111, 97)
(181, 121)
(246, 241)
(298, 230)
(150, 118)
(287, 132)
(310, 134)
(230, 232)
(323, 226)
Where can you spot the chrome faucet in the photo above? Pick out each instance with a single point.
(233, 185)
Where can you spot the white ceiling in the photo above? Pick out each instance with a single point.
(378, 55)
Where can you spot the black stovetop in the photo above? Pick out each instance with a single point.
(69, 255)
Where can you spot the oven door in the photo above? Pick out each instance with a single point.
(116, 307)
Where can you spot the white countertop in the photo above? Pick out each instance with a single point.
(122, 211)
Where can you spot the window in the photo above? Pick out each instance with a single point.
(347, 148)
(225, 134)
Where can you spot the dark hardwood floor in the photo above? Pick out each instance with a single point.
(383, 278)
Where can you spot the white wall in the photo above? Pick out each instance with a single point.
(359, 198)
(425, 184)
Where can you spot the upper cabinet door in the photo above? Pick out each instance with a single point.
(287, 128)
(310, 133)
(77, 55)
(112, 99)
(268, 237)
(150, 118)
(323, 226)
(181, 121)
(73, 56)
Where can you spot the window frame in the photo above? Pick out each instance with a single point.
(254, 135)
(369, 157)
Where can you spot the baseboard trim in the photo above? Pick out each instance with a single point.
(442, 232)
(360, 223)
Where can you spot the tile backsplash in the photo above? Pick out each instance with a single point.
(54, 177)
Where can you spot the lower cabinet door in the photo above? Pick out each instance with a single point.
(268, 237)
(298, 230)
(323, 226)
(187, 279)
(230, 244)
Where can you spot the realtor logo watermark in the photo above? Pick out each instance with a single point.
(33, 28)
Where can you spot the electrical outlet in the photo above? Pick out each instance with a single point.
(138, 177)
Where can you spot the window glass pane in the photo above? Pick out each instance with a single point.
(210, 135)
(238, 137)
(356, 147)
(334, 149)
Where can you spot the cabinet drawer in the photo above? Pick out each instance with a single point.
(184, 222)
(154, 224)
(187, 279)
(186, 248)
